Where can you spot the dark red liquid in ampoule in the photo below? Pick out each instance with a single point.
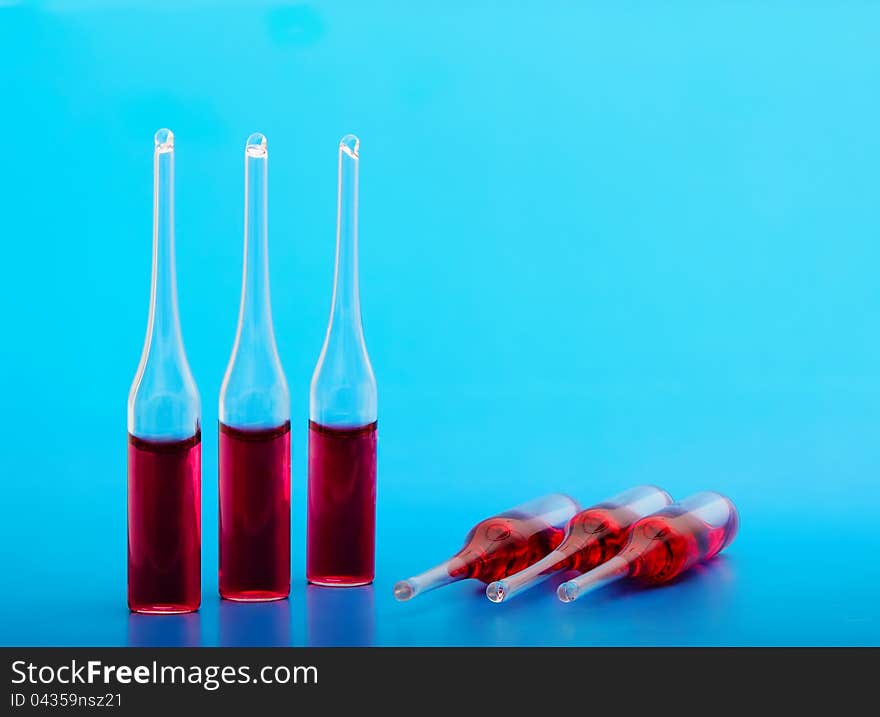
(342, 505)
(594, 536)
(665, 545)
(255, 513)
(164, 524)
(503, 545)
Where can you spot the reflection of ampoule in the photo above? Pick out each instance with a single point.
(665, 544)
(498, 546)
(342, 412)
(164, 443)
(255, 421)
(591, 537)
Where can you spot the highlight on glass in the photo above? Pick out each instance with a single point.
(254, 430)
(664, 545)
(343, 415)
(499, 546)
(591, 537)
(164, 435)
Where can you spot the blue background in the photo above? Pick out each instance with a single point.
(599, 247)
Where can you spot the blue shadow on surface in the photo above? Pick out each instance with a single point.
(265, 624)
(340, 617)
(164, 630)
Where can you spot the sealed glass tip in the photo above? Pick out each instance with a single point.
(164, 139)
(567, 592)
(257, 145)
(404, 590)
(350, 144)
(496, 591)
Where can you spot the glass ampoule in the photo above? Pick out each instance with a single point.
(255, 421)
(164, 435)
(591, 537)
(499, 546)
(665, 544)
(343, 416)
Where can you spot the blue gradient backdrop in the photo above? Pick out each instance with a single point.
(599, 247)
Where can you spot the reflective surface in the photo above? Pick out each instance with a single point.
(601, 247)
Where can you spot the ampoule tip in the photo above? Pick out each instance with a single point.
(350, 144)
(568, 591)
(496, 591)
(164, 140)
(404, 590)
(257, 145)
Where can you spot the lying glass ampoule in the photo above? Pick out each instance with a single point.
(164, 437)
(591, 537)
(255, 420)
(499, 546)
(665, 544)
(343, 411)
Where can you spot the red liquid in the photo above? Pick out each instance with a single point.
(342, 505)
(255, 513)
(594, 536)
(664, 546)
(164, 525)
(503, 545)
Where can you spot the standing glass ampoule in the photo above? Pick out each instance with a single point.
(342, 412)
(164, 436)
(255, 421)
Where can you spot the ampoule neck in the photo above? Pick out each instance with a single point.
(255, 315)
(254, 392)
(343, 389)
(345, 311)
(615, 569)
(528, 577)
(438, 576)
(163, 401)
(164, 318)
